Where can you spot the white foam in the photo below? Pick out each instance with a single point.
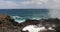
(36, 18)
(33, 28)
(50, 28)
(18, 19)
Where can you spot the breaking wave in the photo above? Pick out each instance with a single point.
(22, 19)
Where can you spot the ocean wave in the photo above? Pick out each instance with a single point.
(35, 18)
(22, 19)
(18, 19)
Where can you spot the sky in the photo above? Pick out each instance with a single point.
(29, 4)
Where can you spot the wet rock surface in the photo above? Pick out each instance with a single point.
(45, 22)
(7, 24)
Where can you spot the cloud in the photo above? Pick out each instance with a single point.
(33, 3)
(7, 4)
(54, 4)
(18, 4)
(22, 4)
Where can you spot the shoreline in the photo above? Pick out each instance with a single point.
(8, 24)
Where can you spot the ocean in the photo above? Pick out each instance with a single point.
(20, 15)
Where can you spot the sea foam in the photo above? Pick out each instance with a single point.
(18, 19)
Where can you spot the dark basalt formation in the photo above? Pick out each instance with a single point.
(45, 22)
(7, 24)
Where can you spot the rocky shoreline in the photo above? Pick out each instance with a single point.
(7, 24)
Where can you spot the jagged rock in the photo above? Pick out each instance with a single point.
(7, 24)
(44, 22)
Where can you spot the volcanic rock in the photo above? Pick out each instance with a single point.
(7, 24)
(45, 22)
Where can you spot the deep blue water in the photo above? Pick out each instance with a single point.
(26, 13)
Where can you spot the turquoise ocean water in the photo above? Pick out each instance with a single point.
(21, 15)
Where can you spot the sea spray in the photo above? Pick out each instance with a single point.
(54, 10)
(54, 13)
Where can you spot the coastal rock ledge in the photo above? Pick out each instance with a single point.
(8, 24)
